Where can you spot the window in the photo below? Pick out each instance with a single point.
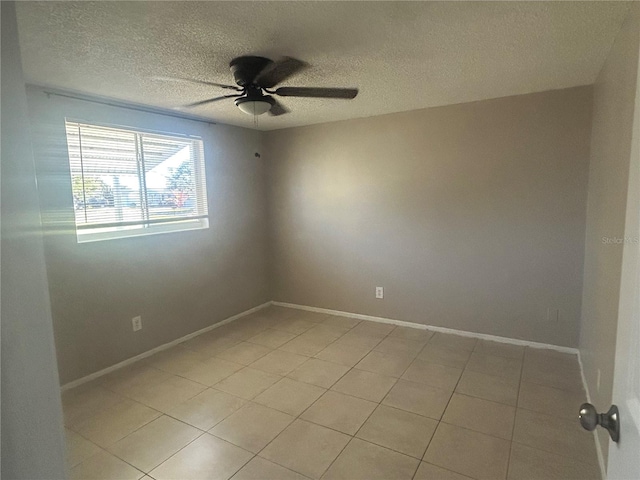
(127, 182)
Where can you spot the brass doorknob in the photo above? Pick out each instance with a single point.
(590, 419)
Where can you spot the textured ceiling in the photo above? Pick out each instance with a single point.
(401, 55)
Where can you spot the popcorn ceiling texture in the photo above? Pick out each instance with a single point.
(402, 55)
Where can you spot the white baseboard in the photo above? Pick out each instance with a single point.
(603, 468)
(148, 353)
(371, 318)
(463, 333)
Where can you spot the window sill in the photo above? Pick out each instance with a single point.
(112, 233)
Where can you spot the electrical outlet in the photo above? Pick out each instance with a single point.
(379, 292)
(136, 322)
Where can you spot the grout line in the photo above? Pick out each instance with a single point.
(515, 414)
(448, 401)
(179, 450)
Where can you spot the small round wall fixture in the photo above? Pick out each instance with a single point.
(255, 106)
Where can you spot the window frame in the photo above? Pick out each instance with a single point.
(146, 226)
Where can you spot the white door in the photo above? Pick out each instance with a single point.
(624, 456)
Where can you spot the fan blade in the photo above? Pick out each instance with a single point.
(345, 93)
(279, 71)
(278, 109)
(200, 82)
(209, 100)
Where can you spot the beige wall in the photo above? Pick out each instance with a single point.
(614, 95)
(470, 216)
(32, 434)
(179, 282)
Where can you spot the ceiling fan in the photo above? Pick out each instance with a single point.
(256, 76)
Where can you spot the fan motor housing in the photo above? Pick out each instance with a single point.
(246, 69)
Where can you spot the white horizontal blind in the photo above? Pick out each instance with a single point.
(127, 182)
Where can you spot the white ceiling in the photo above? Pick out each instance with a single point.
(401, 55)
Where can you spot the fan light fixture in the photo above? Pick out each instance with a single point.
(255, 106)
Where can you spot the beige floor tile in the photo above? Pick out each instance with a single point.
(247, 383)
(175, 360)
(272, 338)
(547, 359)
(427, 471)
(319, 372)
(453, 341)
(341, 322)
(362, 460)
(167, 394)
(152, 444)
(85, 401)
(528, 463)
(207, 457)
(549, 400)
(252, 427)
(554, 434)
(210, 343)
(275, 311)
(339, 412)
(133, 376)
(553, 372)
(481, 385)
(329, 331)
(290, 396)
(398, 430)
(315, 317)
(480, 415)
(400, 346)
(433, 374)
(336, 326)
(306, 448)
(112, 424)
(279, 362)
(384, 363)
(207, 408)
(505, 367)
(546, 354)
(322, 334)
(418, 398)
(261, 469)
(347, 355)
(367, 327)
(500, 349)
(360, 339)
(307, 345)
(244, 353)
(366, 385)
(445, 355)
(411, 333)
(469, 453)
(104, 466)
(78, 448)
(294, 325)
(242, 329)
(211, 371)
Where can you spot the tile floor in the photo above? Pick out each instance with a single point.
(287, 394)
